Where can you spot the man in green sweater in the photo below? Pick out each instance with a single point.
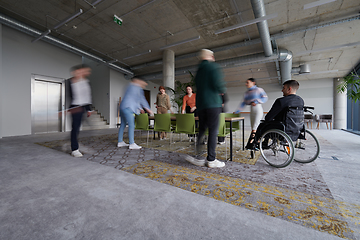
(209, 84)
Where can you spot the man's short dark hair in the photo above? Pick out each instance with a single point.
(292, 83)
(252, 79)
(80, 66)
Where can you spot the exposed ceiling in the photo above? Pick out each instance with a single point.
(326, 37)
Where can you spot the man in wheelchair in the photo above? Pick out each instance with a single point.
(286, 114)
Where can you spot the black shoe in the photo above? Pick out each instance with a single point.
(250, 146)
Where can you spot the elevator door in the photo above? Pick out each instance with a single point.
(46, 107)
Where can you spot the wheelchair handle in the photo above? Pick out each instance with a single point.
(306, 109)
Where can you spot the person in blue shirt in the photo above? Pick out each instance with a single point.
(254, 97)
(133, 102)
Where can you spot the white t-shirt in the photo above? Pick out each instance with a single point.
(81, 92)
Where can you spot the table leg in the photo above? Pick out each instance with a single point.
(231, 141)
(243, 134)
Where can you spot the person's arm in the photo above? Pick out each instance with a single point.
(262, 97)
(184, 105)
(274, 111)
(240, 108)
(168, 105)
(193, 99)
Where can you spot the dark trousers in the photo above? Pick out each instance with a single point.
(209, 119)
(76, 123)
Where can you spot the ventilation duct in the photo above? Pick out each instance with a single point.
(284, 56)
(302, 69)
(259, 11)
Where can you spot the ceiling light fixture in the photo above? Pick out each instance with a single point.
(137, 55)
(328, 48)
(68, 19)
(321, 72)
(317, 3)
(41, 36)
(244, 24)
(181, 42)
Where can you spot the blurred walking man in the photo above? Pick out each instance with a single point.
(209, 85)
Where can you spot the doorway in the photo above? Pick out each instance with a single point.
(47, 102)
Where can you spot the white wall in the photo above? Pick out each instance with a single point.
(317, 93)
(118, 84)
(20, 59)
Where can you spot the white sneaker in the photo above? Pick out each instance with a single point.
(122, 144)
(197, 162)
(76, 153)
(215, 164)
(134, 146)
(221, 143)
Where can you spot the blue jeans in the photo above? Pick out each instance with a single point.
(127, 117)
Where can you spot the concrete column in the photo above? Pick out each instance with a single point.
(169, 70)
(1, 84)
(340, 106)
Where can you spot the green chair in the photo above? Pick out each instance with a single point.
(142, 123)
(173, 122)
(235, 125)
(163, 123)
(185, 123)
(223, 131)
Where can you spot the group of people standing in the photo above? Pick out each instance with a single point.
(207, 103)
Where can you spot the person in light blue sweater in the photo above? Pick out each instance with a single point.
(254, 97)
(133, 102)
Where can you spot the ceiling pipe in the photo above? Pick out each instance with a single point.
(255, 41)
(302, 69)
(259, 11)
(57, 42)
(284, 56)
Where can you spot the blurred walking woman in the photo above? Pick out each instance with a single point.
(254, 97)
(162, 105)
(189, 101)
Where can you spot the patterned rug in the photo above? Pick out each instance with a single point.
(296, 193)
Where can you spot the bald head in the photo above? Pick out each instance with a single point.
(206, 54)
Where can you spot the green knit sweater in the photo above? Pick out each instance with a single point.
(209, 84)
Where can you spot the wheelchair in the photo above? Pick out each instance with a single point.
(279, 149)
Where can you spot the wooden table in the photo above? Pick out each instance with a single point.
(227, 119)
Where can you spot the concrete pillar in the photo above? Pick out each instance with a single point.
(1, 84)
(169, 70)
(340, 106)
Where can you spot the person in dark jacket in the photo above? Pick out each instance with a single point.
(293, 120)
(80, 95)
(209, 85)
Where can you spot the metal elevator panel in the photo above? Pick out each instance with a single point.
(46, 97)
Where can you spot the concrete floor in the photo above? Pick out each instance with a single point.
(46, 194)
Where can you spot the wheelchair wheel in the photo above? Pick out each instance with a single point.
(307, 150)
(277, 148)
